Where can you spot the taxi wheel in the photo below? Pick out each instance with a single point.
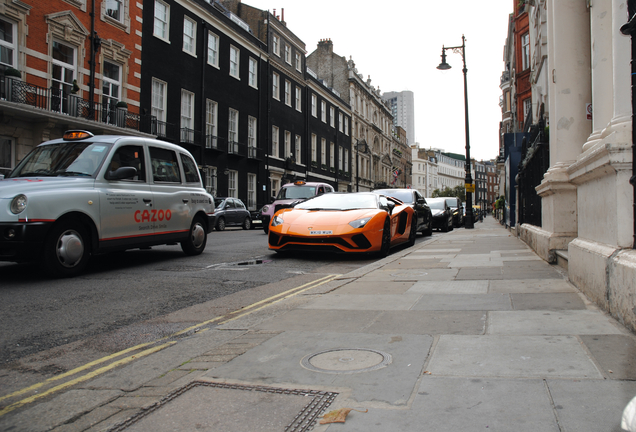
(386, 238)
(413, 233)
(220, 224)
(66, 249)
(197, 238)
(247, 223)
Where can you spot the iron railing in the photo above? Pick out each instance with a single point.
(62, 102)
(535, 161)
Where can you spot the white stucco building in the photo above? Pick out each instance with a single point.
(587, 199)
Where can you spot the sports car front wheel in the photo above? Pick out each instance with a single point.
(413, 230)
(386, 238)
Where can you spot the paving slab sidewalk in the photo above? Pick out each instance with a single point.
(467, 331)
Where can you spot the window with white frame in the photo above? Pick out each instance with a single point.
(346, 126)
(287, 93)
(323, 151)
(232, 184)
(213, 49)
(189, 36)
(525, 51)
(187, 116)
(299, 64)
(340, 118)
(332, 117)
(346, 160)
(63, 73)
(323, 111)
(332, 155)
(275, 139)
(210, 179)
(162, 20)
(288, 151)
(111, 84)
(314, 105)
(253, 73)
(287, 54)
(159, 105)
(298, 99)
(251, 136)
(275, 86)
(235, 57)
(274, 185)
(340, 151)
(314, 151)
(297, 148)
(232, 129)
(211, 124)
(251, 191)
(8, 48)
(276, 45)
(115, 9)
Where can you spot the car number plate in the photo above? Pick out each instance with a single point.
(320, 232)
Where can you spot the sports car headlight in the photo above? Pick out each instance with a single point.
(278, 220)
(359, 223)
(18, 204)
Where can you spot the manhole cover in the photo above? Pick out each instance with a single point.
(346, 361)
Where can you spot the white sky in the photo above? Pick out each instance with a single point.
(399, 44)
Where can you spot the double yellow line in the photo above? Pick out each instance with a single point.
(220, 320)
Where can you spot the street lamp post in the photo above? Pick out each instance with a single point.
(469, 223)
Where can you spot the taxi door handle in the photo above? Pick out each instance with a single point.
(185, 201)
(148, 202)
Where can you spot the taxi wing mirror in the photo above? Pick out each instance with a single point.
(121, 173)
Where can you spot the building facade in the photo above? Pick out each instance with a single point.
(66, 66)
(371, 120)
(587, 214)
(425, 178)
(402, 108)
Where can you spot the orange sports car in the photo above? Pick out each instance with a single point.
(361, 222)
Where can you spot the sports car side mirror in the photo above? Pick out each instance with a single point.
(390, 206)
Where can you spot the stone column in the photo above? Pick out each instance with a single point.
(569, 90)
(602, 63)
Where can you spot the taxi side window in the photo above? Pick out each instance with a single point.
(130, 156)
(321, 190)
(165, 165)
(190, 169)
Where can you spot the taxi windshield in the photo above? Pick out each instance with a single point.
(62, 159)
(295, 192)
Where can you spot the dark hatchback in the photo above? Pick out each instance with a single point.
(231, 212)
(415, 199)
(442, 213)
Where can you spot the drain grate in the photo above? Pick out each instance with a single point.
(302, 422)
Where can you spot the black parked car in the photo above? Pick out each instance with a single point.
(415, 199)
(231, 212)
(457, 208)
(442, 214)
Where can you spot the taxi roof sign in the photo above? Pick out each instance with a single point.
(77, 135)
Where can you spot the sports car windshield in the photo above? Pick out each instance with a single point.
(335, 201)
(403, 195)
(63, 159)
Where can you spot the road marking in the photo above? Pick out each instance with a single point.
(223, 319)
(74, 371)
(84, 378)
(268, 300)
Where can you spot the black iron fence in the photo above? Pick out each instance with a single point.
(62, 102)
(535, 161)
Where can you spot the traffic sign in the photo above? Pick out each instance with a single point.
(470, 187)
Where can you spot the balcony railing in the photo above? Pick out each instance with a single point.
(61, 102)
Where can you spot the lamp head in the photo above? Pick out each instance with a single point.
(443, 65)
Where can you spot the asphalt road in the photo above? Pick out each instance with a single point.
(123, 290)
